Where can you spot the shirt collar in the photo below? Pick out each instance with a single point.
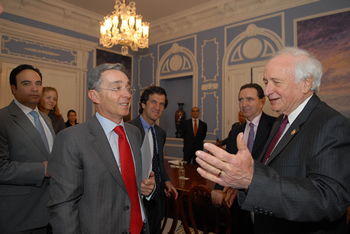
(26, 109)
(107, 124)
(145, 125)
(256, 120)
(292, 116)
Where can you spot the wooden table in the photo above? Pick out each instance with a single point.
(191, 173)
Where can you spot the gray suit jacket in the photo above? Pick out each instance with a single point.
(305, 187)
(24, 191)
(88, 194)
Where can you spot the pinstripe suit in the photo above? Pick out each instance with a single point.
(24, 191)
(305, 187)
(87, 189)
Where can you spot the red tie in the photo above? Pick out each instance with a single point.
(275, 139)
(129, 178)
(195, 127)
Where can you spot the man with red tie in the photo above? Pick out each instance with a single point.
(300, 182)
(193, 133)
(96, 170)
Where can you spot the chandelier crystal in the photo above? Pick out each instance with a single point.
(124, 27)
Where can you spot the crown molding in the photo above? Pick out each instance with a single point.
(206, 16)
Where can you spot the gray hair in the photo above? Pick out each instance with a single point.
(305, 65)
(94, 77)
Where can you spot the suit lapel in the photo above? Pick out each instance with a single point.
(103, 149)
(135, 146)
(22, 120)
(139, 125)
(295, 127)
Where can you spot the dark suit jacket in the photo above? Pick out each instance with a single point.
(88, 194)
(224, 142)
(240, 218)
(261, 137)
(24, 191)
(193, 143)
(305, 187)
(155, 209)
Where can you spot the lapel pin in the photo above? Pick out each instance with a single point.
(292, 133)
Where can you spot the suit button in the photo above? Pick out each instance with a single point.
(271, 214)
(261, 211)
(256, 209)
(126, 207)
(266, 213)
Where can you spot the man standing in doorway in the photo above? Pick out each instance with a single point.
(26, 137)
(194, 133)
(152, 103)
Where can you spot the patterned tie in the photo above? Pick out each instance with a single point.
(275, 139)
(129, 178)
(40, 129)
(251, 137)
(155, 167)
(195, 127)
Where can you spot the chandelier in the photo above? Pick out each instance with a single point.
(124, 27)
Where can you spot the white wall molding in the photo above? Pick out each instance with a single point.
(207, 16)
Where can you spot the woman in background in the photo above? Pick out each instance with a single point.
(72, 118)
(48, 105)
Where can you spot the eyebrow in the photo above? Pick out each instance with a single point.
(119, 82)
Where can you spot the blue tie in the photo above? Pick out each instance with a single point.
(40, 129)
(251, 137)
(155, 166)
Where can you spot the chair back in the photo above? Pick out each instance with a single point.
(171, 204)
(203, 214)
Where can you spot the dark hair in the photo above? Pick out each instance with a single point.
(70, 112)
(255, 86)
(18, 69)
(151, 90)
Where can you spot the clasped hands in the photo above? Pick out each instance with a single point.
(228, 195)
(229, 170)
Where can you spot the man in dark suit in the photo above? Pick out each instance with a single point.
(300, 183)
(95, 167)
(24, 151)
(251, 102)
(152, 103)
(193, 133)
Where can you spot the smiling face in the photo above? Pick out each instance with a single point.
(249, 103)
(48, 100)
(112, 104)
(283, 93)
(29, 88)
(153, 108)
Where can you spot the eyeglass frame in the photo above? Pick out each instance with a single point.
(130, 89)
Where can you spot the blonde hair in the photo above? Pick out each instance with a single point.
(55, 110)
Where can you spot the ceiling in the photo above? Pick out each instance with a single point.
(151, 10)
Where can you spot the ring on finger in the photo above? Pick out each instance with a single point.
(219, 174)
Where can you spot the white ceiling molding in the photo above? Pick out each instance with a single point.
(210, 15)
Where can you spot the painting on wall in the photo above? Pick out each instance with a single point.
(104, 56)
(328, 38)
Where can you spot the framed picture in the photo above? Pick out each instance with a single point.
(327, 36)
(107, 56)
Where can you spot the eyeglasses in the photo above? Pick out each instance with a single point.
(130, 89)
